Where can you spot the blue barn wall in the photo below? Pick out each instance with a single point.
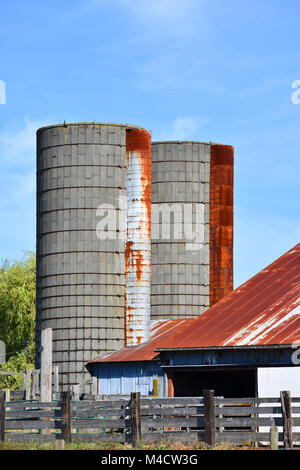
(122, 378)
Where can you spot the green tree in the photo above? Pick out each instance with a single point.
(17, 313)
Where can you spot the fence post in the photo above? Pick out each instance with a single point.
(273, 438)
(285, 398)
(56, 381)
(7, 394)
(65, 416)
(209, 417)
(28, 384)
(46, 366)
(136, 433)
(34, 384)
(2, 416)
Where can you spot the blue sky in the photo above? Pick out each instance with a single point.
(211, 70)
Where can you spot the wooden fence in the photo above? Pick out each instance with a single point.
(130, 419)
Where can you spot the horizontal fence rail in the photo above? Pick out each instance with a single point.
(129, 419)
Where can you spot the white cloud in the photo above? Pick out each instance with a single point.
(182, 128)
(176, 16)
(166, 10)
(160, 10)
(17, 146)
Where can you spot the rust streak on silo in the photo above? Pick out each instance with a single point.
(221, 222)
(138, 244)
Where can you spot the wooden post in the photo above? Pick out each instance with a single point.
(7, 394)
(35, 378)
(136, 427)
(28, 385)
(65, 416)
(170, 386)
(46, 366)
(24, 380)
(2, 416)
(273, 438)
(285, 398)
(59, 444)
(209, 417)
(56, 380)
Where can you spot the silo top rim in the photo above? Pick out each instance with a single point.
(94, 123)
(188, 142)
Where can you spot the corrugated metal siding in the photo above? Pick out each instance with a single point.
(123, 378)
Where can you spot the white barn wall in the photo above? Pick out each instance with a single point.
(272, 380)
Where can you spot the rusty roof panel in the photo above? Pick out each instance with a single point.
(265, 310)
(161, 331)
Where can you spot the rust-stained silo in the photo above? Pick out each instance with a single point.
(82, 192)
(138, 242)
(192, 227)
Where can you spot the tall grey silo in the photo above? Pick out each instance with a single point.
(192, 227)
(81, 177)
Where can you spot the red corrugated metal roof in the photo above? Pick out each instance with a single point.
(265, 310)
(161, 331)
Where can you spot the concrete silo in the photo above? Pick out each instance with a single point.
(192, 227)
(82, 203)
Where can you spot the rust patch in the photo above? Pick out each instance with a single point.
(221, 222)
(138, 245)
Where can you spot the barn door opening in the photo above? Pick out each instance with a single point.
(233, 383)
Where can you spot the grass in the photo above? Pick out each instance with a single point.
(141, 445)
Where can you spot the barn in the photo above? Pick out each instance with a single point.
(247, 344)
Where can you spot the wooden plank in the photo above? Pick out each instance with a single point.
(22, 405)
(176, 436)
(99, 423)
(209, 417)
(180, 401)
(237, 401)
(118, 414)
(98, 437)
(65, 416)
(2, 416)
(245, 436)
(175, 422)
(247, 422)
(285, 397)
(29, 414)
(254, 421)
(29, 437)
(246, 410)
(173, 411)
(136, 432)
(242, 437)
(31, 424)
(108, 404)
